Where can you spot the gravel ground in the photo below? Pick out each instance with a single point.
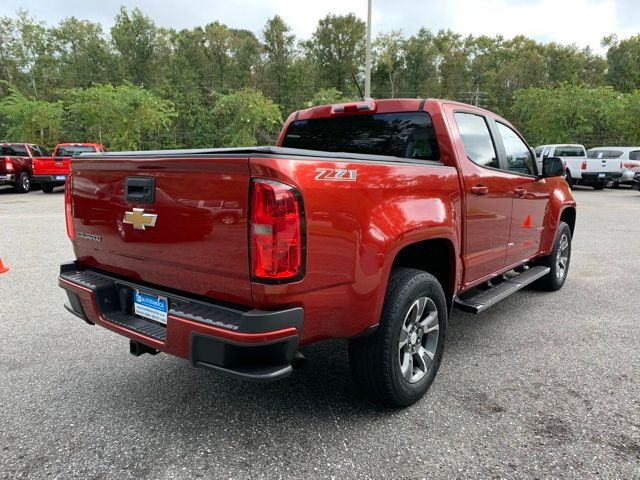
(541, 385)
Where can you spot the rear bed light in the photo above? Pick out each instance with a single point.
(584, 165)
(8, 165)
(276, 232)
(68, 210)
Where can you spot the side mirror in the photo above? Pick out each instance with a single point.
(552, 167)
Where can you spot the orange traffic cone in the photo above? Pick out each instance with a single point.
(3, 269)
(527, 222)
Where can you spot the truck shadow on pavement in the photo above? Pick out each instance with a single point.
(171, 391)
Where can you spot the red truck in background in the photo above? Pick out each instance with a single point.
(369, 221)
(51, 172)
(17, 164)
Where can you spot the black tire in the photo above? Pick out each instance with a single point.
(23, 185)
(569, 179)
(47, 187)
(553, 280)
(375, 358)
(598, 186)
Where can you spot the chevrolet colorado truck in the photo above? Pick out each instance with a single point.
(52, 171)
(369, 221)
(16, 165)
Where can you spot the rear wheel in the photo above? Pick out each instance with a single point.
(599, 186)
(47, 187)
(558, 260)
(397, 364)
(23, 185)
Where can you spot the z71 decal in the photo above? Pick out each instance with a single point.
(336, 175)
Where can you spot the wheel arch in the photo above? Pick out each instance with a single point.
(436, 256)
(568, 215)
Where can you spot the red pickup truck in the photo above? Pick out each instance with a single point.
(368, 221)
(16, 164)
(51, 172)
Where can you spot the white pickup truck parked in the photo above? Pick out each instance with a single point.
(580, 170)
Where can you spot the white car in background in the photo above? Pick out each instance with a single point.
(580, 170)
(628, 156)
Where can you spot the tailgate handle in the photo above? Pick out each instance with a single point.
(140, 189)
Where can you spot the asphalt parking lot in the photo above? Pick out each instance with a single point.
(541, 385)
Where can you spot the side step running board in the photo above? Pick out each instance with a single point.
(486, 298)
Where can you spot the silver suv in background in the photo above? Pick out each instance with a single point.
(628, 156)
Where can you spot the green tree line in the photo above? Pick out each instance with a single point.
(143, 86)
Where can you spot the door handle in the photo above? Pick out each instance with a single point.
(479, 190)
(520, 192)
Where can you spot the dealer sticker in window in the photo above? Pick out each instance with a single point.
(152, 307)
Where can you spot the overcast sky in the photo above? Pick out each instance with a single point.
(583, 22)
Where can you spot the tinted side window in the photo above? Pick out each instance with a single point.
(519, 158)
(476, 138)
(593, 153)
(14, 150)
(569, 152)
(635, 155)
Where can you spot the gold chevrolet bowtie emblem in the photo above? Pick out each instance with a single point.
(139, 219)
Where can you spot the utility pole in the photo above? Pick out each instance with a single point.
(367, 66)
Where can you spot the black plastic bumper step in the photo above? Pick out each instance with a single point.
(486, 298)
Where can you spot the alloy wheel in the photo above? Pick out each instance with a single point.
(562, 260)
(418, 339)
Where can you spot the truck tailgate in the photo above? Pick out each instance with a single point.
(603, 165)
(50, 166)
(188, 234)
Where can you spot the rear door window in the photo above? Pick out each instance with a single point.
(404, 135)
(476, 138)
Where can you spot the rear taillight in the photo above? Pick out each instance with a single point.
(276, 232)
(8, 165)
(68, 210)
(584, 165)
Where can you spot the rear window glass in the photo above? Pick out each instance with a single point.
(635, 155)
(70, 151)
(569, 152)
(14, 150)
(405, 135)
